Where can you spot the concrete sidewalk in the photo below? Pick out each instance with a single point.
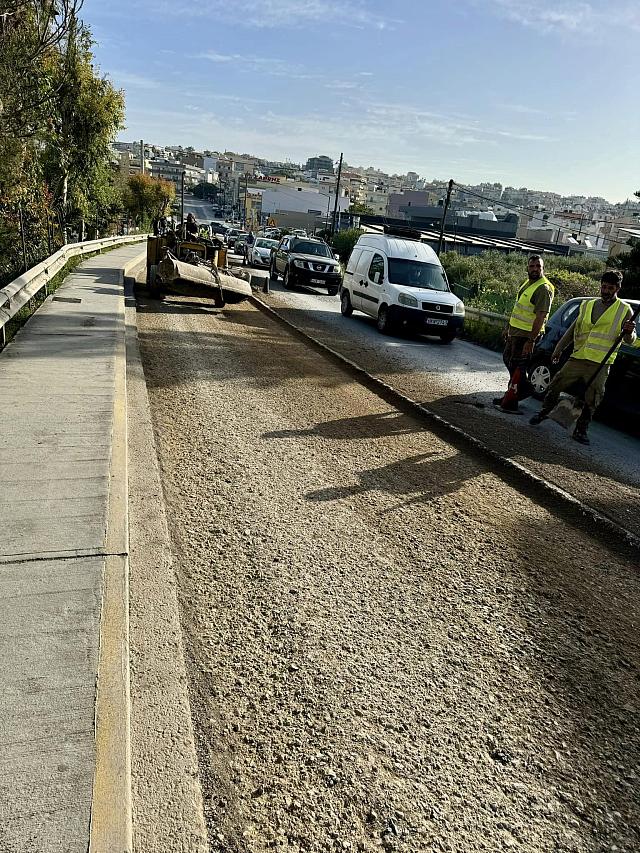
(63, 540)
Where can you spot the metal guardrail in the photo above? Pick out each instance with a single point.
(17, 293)
(487, 316)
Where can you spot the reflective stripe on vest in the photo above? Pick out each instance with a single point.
(592, 341)
(524, 313)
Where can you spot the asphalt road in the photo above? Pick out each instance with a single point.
(458, 382)
(388, 647)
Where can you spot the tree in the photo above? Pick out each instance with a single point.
(148, 198)
(88, 113)
(629, 264)
(344, 241)
(360, 207)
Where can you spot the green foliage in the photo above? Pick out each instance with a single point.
(486, 334)
(146, 198)
(359, 207)
(204, 190)
(629, 263)
(58, 119)
(344, 241)
(490, 281)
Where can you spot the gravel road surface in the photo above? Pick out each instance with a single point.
(458, 382)
(388, 648)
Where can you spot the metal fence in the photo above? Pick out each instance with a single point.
(21, 290)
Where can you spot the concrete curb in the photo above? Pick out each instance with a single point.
(547, 494)
(111, 826)
(167, 799)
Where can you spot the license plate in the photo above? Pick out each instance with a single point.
(433, 322)
(317, 281)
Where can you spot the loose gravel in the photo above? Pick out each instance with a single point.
(388, 647)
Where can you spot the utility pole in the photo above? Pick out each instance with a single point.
(142, 156)
(183, 232)
(335, 206)
(246, 196)
(444, 215)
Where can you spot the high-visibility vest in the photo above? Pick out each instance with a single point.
(524, 313)
(592, 341)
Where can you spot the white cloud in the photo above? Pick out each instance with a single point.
(126, 80)
(270, 14)
(570, 16)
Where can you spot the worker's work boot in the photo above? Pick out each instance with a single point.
(580, 435)
(537, 419)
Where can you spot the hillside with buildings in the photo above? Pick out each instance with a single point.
(304, 195)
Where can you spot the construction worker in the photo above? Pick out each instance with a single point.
(598, 324)
(526, 324)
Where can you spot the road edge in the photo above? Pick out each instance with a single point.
(543, 491)
(167, 797)
(111, 825)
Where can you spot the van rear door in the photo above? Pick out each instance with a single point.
(360, 281)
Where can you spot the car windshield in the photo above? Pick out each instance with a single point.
(265, 244)
(305, 247)
(417, 274)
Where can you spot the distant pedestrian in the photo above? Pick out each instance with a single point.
(598, 324)
(191, 227)
(526, 324)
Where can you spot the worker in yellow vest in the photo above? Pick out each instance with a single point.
(526, 324)
(598, 324)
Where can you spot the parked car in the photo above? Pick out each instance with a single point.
(304, 260)
(260, 253)
(232, 235)
(240, 243)
(622, 394)
(400, 281)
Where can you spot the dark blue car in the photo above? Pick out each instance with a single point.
(622, 394)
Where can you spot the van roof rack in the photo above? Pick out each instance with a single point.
(402, 231)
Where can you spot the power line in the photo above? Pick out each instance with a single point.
(530, 210)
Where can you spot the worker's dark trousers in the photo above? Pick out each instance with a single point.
(513, 358)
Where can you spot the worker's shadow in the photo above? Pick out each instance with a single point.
(417, 479)
(364, 426)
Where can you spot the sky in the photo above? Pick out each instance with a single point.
(536, 93)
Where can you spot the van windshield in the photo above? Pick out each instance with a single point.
(417, 274)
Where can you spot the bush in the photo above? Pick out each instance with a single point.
(344, 241)
(490, 281)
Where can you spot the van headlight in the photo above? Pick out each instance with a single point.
(406, 299)
(459, 308)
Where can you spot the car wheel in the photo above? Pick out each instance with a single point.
(273, 271)
(384, 320)
(333, 290)
(447, 337)
(346, 308)
(286, 280)
(540, 376)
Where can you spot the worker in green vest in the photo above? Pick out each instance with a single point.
(598, 324)
(526, 324)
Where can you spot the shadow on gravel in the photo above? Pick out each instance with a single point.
(582, 646)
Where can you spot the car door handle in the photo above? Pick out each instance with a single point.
(363, 283)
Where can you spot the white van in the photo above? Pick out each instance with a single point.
(400, 281)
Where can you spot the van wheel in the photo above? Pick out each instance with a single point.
(384, 320)
(447, 337)
(346, 308)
